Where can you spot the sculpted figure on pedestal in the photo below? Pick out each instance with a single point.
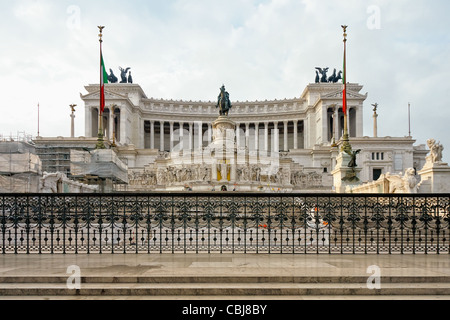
(436, 150)
(223, 102)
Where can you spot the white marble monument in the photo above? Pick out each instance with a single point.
(435, 175)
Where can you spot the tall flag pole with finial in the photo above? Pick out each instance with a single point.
(103, 80)
(346, 147)
(38, 131)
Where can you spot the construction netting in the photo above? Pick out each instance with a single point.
(20, 168)
(20, 183)
(104, 164)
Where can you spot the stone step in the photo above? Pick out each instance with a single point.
(247, 299)
(221, 279)
(223, 289)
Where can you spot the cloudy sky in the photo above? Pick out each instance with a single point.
(260, 49)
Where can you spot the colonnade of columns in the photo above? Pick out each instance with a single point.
(335, 123)
(264, 136)
(111, 123)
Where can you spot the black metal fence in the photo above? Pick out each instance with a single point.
(224, 223)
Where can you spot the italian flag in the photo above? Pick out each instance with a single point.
(103, 80)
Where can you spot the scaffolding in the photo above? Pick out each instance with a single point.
(99, 167)
(20, 167)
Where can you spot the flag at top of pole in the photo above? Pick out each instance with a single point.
(103, 81)
(103, 75)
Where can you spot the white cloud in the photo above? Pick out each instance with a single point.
(186, 49)
(30, 10)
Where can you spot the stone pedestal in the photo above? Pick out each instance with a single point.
(343, 175)
(435, 178)
(223, 151)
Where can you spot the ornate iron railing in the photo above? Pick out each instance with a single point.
(224, 223)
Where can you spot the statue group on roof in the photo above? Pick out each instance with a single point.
(321, 76)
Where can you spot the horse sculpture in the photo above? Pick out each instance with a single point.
(112, 78)
(317, 77)
(332, 77)
(223, 102)
(321, 76)
(338, 77)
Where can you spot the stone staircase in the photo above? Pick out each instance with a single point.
(222, 287)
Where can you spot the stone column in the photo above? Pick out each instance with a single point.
(111, 123)
(123, 125)
(296, 134)
(257, 136)
(336, 124)
(325, 125)
(190, 136)
(141, 135)
(266, 136)
(210, 133)
(181, 137)
(171, 135)
(375, 124)
(72, 125)
(161, 136)
(286, 147)
(88, 122)
(276, 138)
(359, 130)
(247, 134)
(152, 134)
(306, 133)
(200, 136)
(238, 135)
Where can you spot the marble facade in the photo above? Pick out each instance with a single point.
(283, 145)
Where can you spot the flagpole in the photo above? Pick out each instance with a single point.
(38, 133)
(346, 147)
(409, 119)
(100, 142)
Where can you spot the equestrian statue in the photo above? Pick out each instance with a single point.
(321, 76)
(223, 102)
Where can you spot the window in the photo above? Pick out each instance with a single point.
(378, 156)
(377, 174)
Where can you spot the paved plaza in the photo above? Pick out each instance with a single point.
(228, 265)
(224, 265)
